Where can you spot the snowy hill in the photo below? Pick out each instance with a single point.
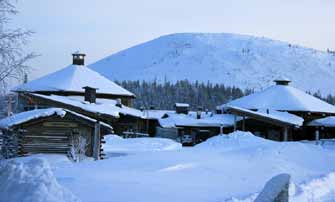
(239, 60)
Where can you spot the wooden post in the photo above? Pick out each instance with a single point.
(285, 134)
(317, 136)
(96, 141)
(10, 110)
(243, 126)
(221, 129)
(235, 119)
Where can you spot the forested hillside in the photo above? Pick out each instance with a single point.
(165, 95)
(197, 94)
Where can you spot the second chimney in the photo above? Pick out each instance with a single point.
(78, 58)
(90, 94)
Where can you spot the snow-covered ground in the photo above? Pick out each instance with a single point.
(223, 169)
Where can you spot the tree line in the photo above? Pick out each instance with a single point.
(197, 94)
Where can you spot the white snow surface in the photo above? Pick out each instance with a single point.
(231, 59)
(226, 168)
(206, 120)
(118, 144)
(327, 122)
(31, 181)
(272, 114)
(30, 115)
(283, 98)
(156, 113)
(73, 78)
(102, 106)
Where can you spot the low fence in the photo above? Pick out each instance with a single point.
(171, 133)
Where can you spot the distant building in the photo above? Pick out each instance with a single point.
(188, 127)
(279, 112)
(70, 81)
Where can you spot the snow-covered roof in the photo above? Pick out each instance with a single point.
(327, 122)
(72, 79)
(283, 98)
(270, 114)
(155, 113)
(102, 106)
(182, 105)
(23, 117)
(207, 120)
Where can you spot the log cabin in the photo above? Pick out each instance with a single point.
(52, 130)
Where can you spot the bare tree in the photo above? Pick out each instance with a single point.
(13, 57)
(79, 146)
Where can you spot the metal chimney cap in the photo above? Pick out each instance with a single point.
(78, 58)
(282, 81)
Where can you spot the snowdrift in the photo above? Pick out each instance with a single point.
(234, 141)
(116, 143)
(31, 181)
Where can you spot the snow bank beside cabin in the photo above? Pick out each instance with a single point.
(116, 143)
(234, 141)
(31, 181)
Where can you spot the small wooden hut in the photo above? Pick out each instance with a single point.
(52, 130)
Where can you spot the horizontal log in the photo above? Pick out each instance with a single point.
(49, 152)
(46, 148)
(45, 142)
(46, 136)
(41, 148)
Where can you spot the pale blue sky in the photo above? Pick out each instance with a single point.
(102, 27)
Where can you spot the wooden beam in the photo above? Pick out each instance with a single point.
(96, 141)
(285, 134)
(243, 124)
(259, 117)
(235, 122)
(317, 136)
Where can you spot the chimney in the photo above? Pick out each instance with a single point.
(78, 58)
(282, 82)
(90, 94)
(182, 108)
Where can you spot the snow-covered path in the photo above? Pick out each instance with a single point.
(223, 169)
